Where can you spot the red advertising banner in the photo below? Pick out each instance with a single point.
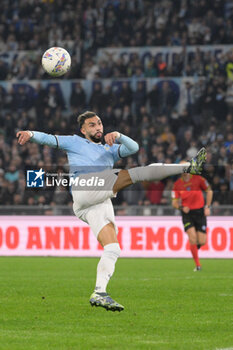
(147, 237)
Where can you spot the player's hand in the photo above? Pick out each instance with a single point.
(23, 137)
(111, 137)
(186, 210)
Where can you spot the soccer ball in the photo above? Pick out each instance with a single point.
(56, 61)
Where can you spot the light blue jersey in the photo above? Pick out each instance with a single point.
(85, 156)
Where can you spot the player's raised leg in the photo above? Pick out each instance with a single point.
(105, 269)
(159, 171)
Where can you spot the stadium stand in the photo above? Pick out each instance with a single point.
(171, 104)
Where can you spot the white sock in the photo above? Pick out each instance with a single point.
(106, 266)
(156, 171)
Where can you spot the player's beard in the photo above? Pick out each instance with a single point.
(97, 139)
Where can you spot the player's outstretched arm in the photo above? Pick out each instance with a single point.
(63, 142)
(37, 137)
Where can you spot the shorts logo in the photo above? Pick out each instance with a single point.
(203, 227)
(35, 178)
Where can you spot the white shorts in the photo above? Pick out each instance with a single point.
(94, 205)
(97, 216)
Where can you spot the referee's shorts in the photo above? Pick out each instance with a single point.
(195, 218)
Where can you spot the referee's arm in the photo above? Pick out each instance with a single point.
(176, 203)
(209, 198)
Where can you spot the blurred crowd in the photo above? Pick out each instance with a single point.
(91, 24)
(85, 26)
(26, 65)
(165, 132)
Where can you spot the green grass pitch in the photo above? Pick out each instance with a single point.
(44, 305)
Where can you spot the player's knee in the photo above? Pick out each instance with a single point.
(123, 180)
(112, 251)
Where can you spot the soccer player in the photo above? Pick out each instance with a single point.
(88, 157)
(187, 195)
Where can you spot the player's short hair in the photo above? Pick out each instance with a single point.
(82, 117)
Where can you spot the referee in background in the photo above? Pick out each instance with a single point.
(187, 195)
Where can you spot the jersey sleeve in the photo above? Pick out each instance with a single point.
(128, 146)
(204, 184)
(62, 142)
(68, 142)
(42, 138)
(115, 152)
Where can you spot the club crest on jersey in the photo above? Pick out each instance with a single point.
(107, 147)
